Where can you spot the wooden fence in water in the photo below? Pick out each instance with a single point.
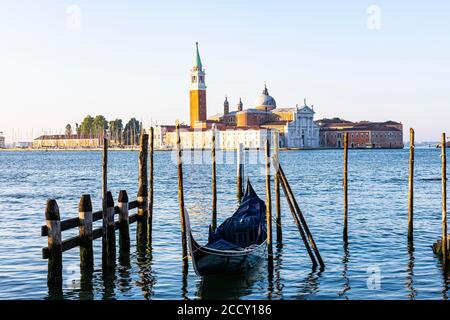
(86, 217)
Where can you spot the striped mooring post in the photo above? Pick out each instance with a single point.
(53, 222)
(411, 186)
(86, 234)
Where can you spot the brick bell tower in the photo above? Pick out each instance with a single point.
(197, 90)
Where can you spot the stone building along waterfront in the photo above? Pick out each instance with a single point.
(294, 127)
(62, 141)
(2, 141)
(247, 126)
(363, 134)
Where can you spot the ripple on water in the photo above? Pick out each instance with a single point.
(376, 264)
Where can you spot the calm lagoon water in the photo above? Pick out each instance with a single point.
(376, 264)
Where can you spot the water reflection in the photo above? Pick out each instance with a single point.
(446, 279)
(412, 293)
(278, 285)
(54, 292)
(184, 285)
(109, 278)
(310, 285)
(269, 277)
(124, 269)
(86, 285)
(144, 263)
(230, 286)
(345, 261)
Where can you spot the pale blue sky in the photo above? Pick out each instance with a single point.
(132, 58)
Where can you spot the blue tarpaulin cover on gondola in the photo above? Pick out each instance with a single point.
(245, 228)
(237, 244)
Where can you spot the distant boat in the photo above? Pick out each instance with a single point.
(237, 244)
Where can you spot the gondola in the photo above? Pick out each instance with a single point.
(237, 244)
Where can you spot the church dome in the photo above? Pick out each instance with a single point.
(265, 101)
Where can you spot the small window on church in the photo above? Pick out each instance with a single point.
(194, 78)
(201, 79)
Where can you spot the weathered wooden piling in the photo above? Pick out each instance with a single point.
(268, 201)
(240, 172)
(444, 200)
(277, 189)
(85, 233)
(109, 236)
(142, 197)
(300, 216)
(106, 241)
(124, 229)
(411, 186)
(181, 198)
(150, 185)
(104, 173)
(346, 186)
(213, 174)
(53, 222)
(296, 218)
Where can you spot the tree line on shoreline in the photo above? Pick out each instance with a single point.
(95, 127)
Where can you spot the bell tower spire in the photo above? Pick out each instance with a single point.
(197, 90)
(226, 106)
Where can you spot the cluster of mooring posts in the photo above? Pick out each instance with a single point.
(144, 205)
(86, 216)
(441, 246)
(279, 179)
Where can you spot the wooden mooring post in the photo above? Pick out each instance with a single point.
(150, 185)
(213, 176)
(181, 198)
(268, 202)
(444, 200)
(142, 197)
(411, 186)
(124, 231)
(345, 186)
(109, 236)
(104, 172)
(85, 233)
(240, 172)
(296, 219)
(53, 223)
(277, 189)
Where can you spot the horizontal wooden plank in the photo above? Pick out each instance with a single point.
(70, 243)
(66, 245)
(132, 205)
(132, 218)
(65, 225)
(97, 233)
(75, 241)
(97, 215)
(75, 222)
(44, 231)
